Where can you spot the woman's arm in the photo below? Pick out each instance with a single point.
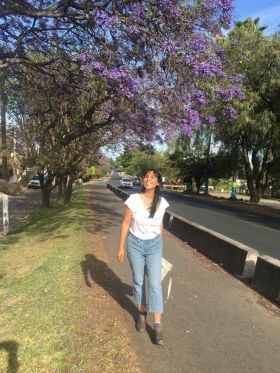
(161, 228)
(124, 230)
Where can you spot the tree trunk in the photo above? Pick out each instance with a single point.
(46, 192)
(189, 185)
(68, 192)
(255, 196)
(60, 186)
(262, 181)
(3, 104)
(206, 189)
(64, 183)
(46, 188)
(198, 183)
(253, 190)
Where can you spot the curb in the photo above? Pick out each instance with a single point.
(267, 277)
(237, 258)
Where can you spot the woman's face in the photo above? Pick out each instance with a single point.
(150, 181)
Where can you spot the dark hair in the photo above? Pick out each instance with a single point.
(157, 197)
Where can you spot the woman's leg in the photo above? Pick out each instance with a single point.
(136, 259)
(141, 307)
(157, 317)
(153, 264)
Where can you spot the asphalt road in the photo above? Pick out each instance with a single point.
(255, 229)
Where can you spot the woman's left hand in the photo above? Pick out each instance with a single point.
(120, 255)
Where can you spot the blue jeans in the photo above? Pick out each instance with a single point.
(145, 257)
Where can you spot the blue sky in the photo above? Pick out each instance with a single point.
(267, 10)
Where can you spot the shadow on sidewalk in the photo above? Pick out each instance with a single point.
(97, 271)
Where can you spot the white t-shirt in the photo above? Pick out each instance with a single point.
(142, 226)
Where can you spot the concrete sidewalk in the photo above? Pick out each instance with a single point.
(214, 323)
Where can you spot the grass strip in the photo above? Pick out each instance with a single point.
(50, 320)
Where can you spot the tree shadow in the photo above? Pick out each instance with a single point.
(97, 271)
(12, 350)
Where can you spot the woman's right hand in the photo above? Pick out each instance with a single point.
(120, 255)
(124, 230)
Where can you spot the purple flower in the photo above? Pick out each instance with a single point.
(98, 66)
(199, 97)
(238, 78)
(210, 119)
(82, 57)
(133, 29)
(230, 113)
(191, 121)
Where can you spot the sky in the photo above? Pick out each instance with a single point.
(267, 10)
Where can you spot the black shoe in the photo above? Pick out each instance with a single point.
(141, 322)
(158, 337)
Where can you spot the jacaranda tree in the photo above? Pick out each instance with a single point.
(156, 61)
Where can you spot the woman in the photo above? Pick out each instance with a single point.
(143, 219)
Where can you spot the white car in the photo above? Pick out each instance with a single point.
(34, 183)
(126, 183)
(210, 188)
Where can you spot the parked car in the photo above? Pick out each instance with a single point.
(34, 183)
(136, 182)
(202, 188)
(126, 183)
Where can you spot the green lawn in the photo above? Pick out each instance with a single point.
(50, 321)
